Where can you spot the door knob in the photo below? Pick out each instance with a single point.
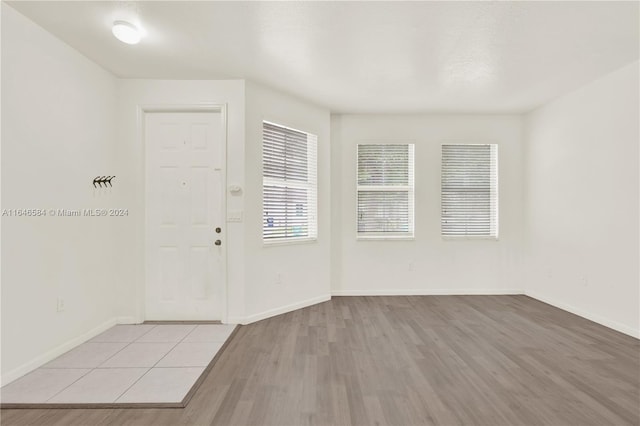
(218, 242)
(218, 230)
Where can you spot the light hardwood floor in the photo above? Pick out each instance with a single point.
(418, 360)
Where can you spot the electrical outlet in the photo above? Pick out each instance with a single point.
(585, 282)
(60, 306)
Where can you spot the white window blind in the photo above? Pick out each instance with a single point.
(289, 184)
(385, 190)
(470, 190)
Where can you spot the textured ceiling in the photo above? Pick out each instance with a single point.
(385, 57)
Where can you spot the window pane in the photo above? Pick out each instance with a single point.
(289, 184)
(383, 211)
(469, 190)
(286, 212)
(284, 154)
(385, 190)
(383, 164)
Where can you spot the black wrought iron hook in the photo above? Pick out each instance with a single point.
(102, 179)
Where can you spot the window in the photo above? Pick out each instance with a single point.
(289, 184)
(385, 191)
(470, 191)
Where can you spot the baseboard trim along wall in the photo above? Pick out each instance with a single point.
(622, 328)
(278, 311)
(428, 292)
(128, 320)
(59, 350)
(38, 361)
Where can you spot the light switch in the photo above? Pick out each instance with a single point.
(234, 216)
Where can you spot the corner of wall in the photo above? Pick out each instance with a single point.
(581, 201)
(75, 255)
(336, 203)
(303, 270)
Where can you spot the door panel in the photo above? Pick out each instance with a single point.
(184, 164)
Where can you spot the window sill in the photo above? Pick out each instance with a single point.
(468, 238)
(385, 238)
(289, 242)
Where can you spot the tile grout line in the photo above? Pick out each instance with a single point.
(144, 334)
(126, 346)
(154, 365)
(76, 380)
(174, 346)
(115, 400)
(148, 369)
(123, 348)
(94, 368)
(207, 369)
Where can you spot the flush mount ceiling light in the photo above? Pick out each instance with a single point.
(126, 32)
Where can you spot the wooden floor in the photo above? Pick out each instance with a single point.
(419, 360)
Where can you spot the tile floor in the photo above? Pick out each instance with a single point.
(126, 364)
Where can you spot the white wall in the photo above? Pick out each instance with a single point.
(304, 268)
(58, 133)
(251, 268)
(131, 95)
(439, 266)
(67, 120)
(582, 201)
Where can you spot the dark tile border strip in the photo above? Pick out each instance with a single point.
(208, 368)
(181, 404)
(182, 322)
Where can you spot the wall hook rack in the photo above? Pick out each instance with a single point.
(102, 180)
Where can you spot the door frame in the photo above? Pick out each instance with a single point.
(142, 112)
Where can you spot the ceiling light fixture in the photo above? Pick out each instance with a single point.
(126, 32)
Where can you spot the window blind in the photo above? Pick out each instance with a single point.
(469, 190)
(289, 174)
(385, 194)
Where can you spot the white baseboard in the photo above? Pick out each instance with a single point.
(277, 311)
(128, 320)
(234, 320)
(615, 325)
(427, 292)
(455, 292)
(40, 360)
(59, 350)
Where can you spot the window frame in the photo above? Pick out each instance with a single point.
(311, 186)
(496, 195)
(410, 188)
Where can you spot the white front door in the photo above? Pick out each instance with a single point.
(184, 186)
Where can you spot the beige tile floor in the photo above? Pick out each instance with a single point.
(126, 364)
